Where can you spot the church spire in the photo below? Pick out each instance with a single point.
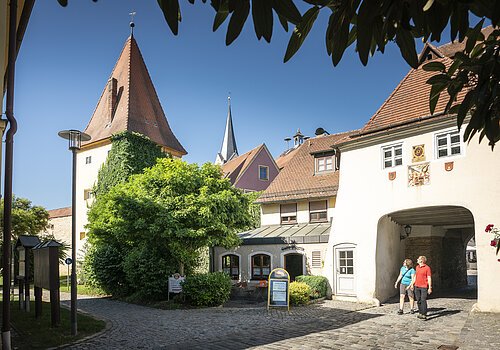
(228, 150)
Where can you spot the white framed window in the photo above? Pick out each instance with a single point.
(88, 159)
(324, 164)
(263, 172)
(448, 144)
(392, 155)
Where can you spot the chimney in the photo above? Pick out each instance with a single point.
(112, 94)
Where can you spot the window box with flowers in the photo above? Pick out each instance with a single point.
(495, 242)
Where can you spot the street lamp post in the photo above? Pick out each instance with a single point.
(75, 138)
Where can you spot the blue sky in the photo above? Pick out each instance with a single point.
(68, 53)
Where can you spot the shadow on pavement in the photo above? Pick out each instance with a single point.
(298, 324)
(432, 315)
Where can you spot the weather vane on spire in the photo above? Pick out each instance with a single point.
(132, 24)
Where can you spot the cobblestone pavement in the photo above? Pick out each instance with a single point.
(326, 325)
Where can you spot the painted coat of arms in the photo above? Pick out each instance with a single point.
(418, 174)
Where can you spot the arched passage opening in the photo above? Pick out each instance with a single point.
(441, 233)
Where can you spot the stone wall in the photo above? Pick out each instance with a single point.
(432, 248)
(445, 256)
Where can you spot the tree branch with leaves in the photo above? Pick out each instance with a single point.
(371, 25)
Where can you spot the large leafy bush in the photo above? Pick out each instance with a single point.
(208, 289)
(159, 222)
(299, 293)
(103, 269)
(318, 284)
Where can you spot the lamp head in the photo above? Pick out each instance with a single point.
(75, 138)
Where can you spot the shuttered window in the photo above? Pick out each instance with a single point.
(316, 258)
(318, 211)
(288, 213)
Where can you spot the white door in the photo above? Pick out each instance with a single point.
(344, 270)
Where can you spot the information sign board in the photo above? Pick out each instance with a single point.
(174, 283)
(279, 291)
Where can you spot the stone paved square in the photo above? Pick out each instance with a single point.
(325, 325)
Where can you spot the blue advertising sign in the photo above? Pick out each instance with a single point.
(279, 291)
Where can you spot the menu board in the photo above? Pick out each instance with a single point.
(278, 294)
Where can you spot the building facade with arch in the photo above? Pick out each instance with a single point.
(411, 186)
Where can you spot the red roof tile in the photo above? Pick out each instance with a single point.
(136, 107)
(285, 157)
(453, 47)
(409, 101)
(298, 180)
(59, 213)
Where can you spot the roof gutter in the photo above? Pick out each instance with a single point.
(396, 125)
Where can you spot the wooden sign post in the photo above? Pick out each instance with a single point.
(278, 294)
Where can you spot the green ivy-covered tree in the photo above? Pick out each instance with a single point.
(156, 223)
(130, 154)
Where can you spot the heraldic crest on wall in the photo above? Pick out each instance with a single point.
(418, 153)
(418, 174)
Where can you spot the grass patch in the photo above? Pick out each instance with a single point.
(82, 289)
(31, 333)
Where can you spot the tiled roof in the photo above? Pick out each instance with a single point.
(297, 180)
(409, 101)
(451, 48)
(59, 213)
(285, 157)
(236, 166)
(134, 106)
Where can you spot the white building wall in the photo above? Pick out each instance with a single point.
(366, 194)
(86, 177)
(269, 214)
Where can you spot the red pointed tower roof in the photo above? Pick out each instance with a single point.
(129, 103)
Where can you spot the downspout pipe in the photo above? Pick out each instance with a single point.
(9, 144)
